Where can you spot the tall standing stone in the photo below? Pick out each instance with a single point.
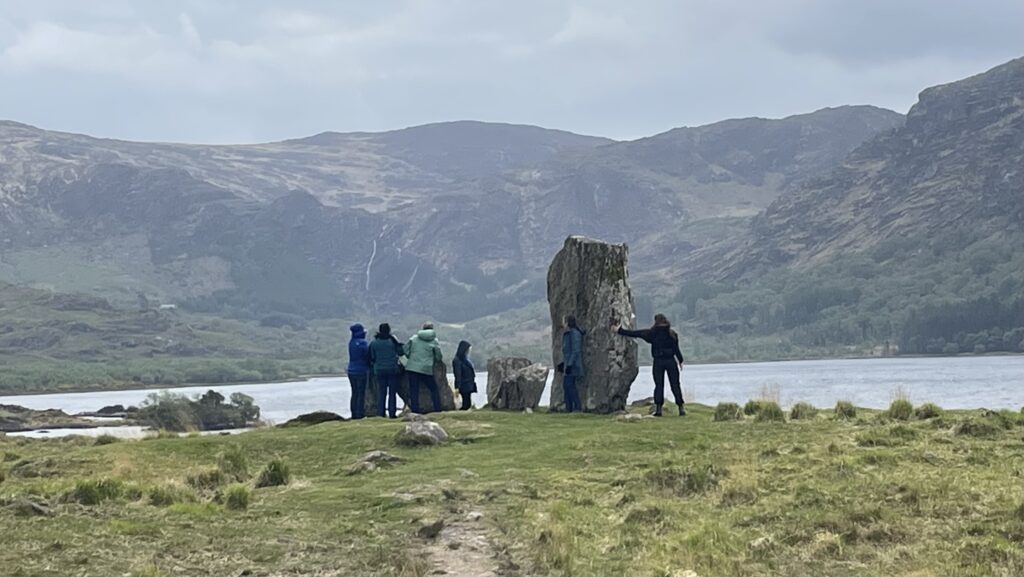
(589, 279)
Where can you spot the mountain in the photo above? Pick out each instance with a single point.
(453, 220)
(951, 176)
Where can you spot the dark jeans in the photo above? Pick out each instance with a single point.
(357, 405)
(466, 401)
(662, 366)
(572, 396)
(417, 379)
(387, 389)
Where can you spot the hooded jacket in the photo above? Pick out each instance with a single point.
(462, 367)
(422, 351)
(358, 351)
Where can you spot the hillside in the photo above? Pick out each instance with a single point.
(914, 244)
(454, 220)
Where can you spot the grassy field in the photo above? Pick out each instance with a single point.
(533, 494)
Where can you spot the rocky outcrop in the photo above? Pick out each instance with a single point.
(373, 461)
(314, 418)
(421, 433)
(589, 279)
(444, 389)
(515, 383)
(14, 418)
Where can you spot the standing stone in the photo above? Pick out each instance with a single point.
(515, 384)
(444, 388)
(589, 279)
(498, 370)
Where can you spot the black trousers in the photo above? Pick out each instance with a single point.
(466, 401)
(661, 367)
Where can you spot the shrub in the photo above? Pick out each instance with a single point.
(93, 492)
(728, 412)
(106, 440)
(845, 410)
(233, 463)
(752, 407)
(803, 411)
(276, 473)
(167, 495)
(770, 412)
(928, 411)
(900, 410)
(236, 497)
(207, 480)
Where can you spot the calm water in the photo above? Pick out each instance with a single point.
(954, 383)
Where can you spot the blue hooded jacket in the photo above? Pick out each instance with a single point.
(358, 351)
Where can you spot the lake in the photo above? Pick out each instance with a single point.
(995, 382)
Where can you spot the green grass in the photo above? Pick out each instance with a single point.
(560, 495)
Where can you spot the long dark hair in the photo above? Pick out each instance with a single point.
(661, 322)
(384, 331)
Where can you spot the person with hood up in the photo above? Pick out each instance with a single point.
(421, 352)
(572, 363)
(384, 353)
(465, 374)
(358, 370)
(667, 359)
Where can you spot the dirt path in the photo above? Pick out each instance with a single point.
(465, 547)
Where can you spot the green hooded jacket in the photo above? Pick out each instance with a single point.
(422, 352)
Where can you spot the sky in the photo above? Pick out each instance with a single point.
(232, 71)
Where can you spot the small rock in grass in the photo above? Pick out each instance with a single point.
(474, 516)
(431, 530)
(421, 433)
(29, 508)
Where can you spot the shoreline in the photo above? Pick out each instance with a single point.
(309, 376)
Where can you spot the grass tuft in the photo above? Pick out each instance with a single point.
(686, 481)
(770, 412)
(236, 497)
(93, 492)
(167, 495)
(975, 428)
(752, 407)
(928, 411)
(275, 474)
(233, 463)
(728, 412)
(900, 410)
(106, 440)
(803, 411)
(207, 479)
(845, 411)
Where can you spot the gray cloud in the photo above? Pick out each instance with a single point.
(199, 70)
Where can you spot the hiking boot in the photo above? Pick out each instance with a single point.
(682, 411)
(657, 411)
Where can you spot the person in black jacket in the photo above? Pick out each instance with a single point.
(465, 375)
(385, 351)
(667, 359)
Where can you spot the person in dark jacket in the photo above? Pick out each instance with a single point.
(384, 353)
(358, 369)
(572, 363)
(465, 374)
(667, 359)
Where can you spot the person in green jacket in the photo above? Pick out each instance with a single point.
(421, 352)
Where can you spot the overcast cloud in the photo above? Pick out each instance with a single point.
(255, 70)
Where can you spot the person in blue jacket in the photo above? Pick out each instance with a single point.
(384, 353)
(572, 363)
(465, 375)
(358, 369)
